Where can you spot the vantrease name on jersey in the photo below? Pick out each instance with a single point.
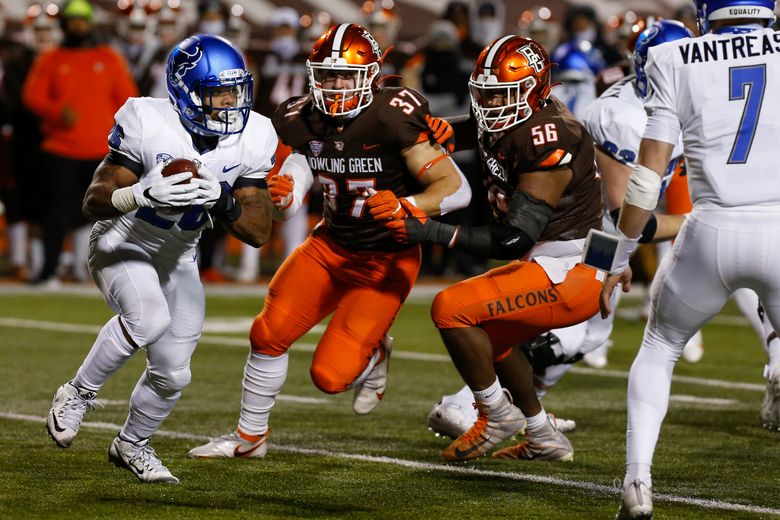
(738, 46)
(344, 165)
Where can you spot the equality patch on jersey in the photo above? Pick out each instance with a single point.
(116, 136)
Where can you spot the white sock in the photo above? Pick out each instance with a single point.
(538, 423)
(264, 377)
(747, 301)
(148, 409)
(250, 262)
(295, 230)
(376, 357)
(17, 244)
(36, 257)
(490, 396)
(109, 352)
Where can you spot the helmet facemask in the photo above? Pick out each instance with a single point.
(222, 105)
(355, 86)
(499, 106)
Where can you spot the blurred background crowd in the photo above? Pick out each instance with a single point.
(49, 148)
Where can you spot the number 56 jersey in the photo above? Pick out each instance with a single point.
(722, 88)
(148, 131)
(348, 156)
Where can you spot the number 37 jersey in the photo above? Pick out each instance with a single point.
(722, 88)
(348, 156)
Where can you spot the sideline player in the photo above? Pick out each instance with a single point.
(545, 194)
(710, 90)
(142, 250)
(359, 139)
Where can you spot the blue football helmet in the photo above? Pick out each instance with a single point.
(660, 32)
(711, 10)
(201, 69)
(576, 62)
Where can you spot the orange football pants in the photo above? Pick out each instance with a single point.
(517, 302)
(678, 199)
(363, 289)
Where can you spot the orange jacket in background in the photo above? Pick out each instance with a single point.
(94, 81)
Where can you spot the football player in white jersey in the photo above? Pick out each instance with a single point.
(710, 90)
(143, 246)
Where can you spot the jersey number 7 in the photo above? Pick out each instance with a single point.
(754, 77)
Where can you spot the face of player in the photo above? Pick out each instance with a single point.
(220, 98)
(337, 80)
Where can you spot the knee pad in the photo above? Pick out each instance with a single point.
(445, 313)
(169, 382)
(264, 340)
(149, 329)
(327, 380)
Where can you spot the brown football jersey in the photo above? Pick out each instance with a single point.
(348, 156)
(549, 139)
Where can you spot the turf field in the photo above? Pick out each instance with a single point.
(714, 460)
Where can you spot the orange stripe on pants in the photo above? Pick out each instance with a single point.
(678, 199)
(517, 302)
(364, 290)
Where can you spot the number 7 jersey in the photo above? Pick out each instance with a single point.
(348, 156)
(722, 88)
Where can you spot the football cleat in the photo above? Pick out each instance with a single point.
(487, 431)
(770, 406)
(67, 410)
(597, 358)
(549, 445)
(140, 459)
(368, 394)
(637, 502)
(694, 349)
(451, 417)
(232, 445)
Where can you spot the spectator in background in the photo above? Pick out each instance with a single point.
(169, 32)
(575, 76)
(538, 24)
(398, 59)
(74, 89)
(212, 17)
(22, 197)
(582, 28)
(487, 21)
(138, 43)
(458, 12)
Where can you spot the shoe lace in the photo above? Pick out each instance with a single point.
(476, 430)
(74, 408)
(147, 456)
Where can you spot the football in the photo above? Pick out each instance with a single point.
(179, 166)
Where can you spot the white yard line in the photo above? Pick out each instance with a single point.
(444, 468)
(397, 354)
(704, 401)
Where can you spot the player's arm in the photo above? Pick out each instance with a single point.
(530, 209)
(445, 187)
(288, 184)
(253, 225)
(115, 190)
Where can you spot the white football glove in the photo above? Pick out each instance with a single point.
(208, 188)
(153, 190)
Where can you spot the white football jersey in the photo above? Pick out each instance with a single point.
(616, 122)
(722, 89)
(148, 131)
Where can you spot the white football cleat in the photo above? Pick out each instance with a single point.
(368, 394)
(140, 459)
(67, 410)
(489, 430)
(230, 446)
(637, 502)
(770, 406)
(549, 445)
(597, 358)
(451, 417)
(694, 349)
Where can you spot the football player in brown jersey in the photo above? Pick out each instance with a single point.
(369, 147)
(546, 194)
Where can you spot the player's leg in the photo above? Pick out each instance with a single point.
(687, 291)
(129, 283)
(167, 373)
(354, 351)
(300, 295)
(479, 320)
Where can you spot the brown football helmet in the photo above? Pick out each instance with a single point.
(343, 68)
(511, 81)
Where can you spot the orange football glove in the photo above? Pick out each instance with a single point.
(410, 229)
(442, 132)
(384, 205)
(281, 188)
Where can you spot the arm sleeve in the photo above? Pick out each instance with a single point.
(126, 136)
(663, 123)
(296, 167)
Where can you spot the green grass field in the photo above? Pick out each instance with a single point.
(713, 461)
